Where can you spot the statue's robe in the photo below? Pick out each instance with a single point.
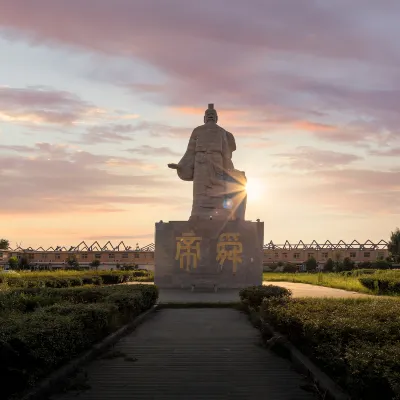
(207, 160)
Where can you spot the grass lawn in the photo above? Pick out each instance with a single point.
(332, 280)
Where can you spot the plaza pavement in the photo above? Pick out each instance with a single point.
(191, 354)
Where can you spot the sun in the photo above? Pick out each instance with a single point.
(253, 189)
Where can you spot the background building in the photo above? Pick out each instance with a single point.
(111, 256)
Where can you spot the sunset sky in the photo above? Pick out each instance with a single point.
(97, 96)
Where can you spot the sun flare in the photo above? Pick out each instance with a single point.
(253, 189)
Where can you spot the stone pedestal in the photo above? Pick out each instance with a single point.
(208, 253)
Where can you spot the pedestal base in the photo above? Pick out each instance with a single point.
(208, 254)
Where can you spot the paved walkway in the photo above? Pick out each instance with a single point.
(232, 295)
(191, 354)
(306, 290)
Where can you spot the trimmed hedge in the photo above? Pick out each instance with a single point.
(254, 295)
(383, 282)
(356, 341)
(57, 280)
(40, 329)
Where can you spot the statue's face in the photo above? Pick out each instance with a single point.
(210, 116)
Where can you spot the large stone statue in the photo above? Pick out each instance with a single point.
(218, 189)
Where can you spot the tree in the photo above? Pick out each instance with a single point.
(382, 264)
(72, 261)
(13, 262)
(95, 264)
(394, 245)
(311, 264)
(338, 261)
(23, 263)
(329, 265)
(348, 264)
(4, 244)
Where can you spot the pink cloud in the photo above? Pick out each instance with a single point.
(53, 178)
(309, 158)
(342, 191)
(147, 150)
(39, 104)
(393, 152)
(176, 40)
(107, 134)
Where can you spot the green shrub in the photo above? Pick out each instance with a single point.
(381, 264)
(290, 268)
(384, 282)
(41, 328)
(369, 283)
(356, 341)
(358, 272)
(254, 295)
(364, 265)
(329, 265)
(311, 264)
(111, 279)
(76, 278)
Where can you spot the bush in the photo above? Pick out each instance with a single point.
(354, 340)
(348, 264)
(76, 278)
(254, 295)
(358, 272)
(364, 265)
(13, 262)
(311, 264)
(42, 328)
(290, 268)
(329, 265)
(381, 264)
(95, 264)
(383, 282)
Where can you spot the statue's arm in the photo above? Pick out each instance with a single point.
(185, 167)
(231, 141)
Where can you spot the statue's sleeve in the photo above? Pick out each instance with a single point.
(231, 141)
(186, 165)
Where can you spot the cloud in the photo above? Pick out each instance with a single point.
(50, 178)
(365, 192)
(314, 126)
(340, 192)
(147, 150)
(309, 158)
(393, 152)
(42, 105)
(122, 237)
(344, 69)
(260, 144)
(107, 134)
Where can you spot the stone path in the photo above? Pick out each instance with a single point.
(191, 354)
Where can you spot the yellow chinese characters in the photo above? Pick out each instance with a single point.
(230, 248)
(188, 250)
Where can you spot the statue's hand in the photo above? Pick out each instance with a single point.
(173, 166)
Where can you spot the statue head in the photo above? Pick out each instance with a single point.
(211, 114)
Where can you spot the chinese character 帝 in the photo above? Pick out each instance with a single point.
(229, 248)
(188, 250)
